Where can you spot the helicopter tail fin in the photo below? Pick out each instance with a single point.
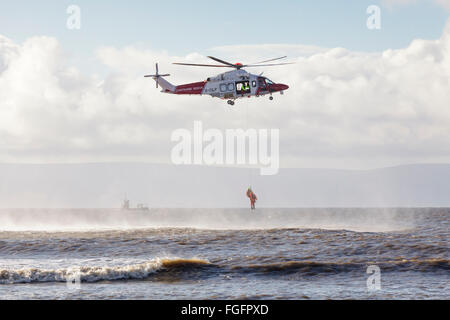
(165, 85)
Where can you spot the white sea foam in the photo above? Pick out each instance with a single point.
(95, 273)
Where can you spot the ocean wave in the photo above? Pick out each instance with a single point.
(176, 269)
(317, 268)
(96, 274)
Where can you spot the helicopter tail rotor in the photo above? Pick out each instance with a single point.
(156, 76)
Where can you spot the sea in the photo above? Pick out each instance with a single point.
(289, 254)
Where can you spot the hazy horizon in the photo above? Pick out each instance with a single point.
(104, 185)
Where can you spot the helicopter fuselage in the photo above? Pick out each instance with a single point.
(230, 85)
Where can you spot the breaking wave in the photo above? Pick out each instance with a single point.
(186, 269)
(95, 274)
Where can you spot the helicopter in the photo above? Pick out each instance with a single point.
(229, 85)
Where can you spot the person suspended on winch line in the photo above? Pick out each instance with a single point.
(252, 196)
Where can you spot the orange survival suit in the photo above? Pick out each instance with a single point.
(252, 197)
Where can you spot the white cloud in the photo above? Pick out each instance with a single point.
(344, 108)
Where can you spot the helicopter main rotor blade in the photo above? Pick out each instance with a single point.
(268, 65)
(203, 65)
(221, 61)
(268, 60)
(156, 75)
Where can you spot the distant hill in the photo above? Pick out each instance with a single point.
(104, 186)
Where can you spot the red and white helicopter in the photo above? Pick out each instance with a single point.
(230, 85)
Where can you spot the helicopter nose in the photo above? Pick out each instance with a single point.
(280, 87)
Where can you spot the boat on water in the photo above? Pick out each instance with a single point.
(139, 207)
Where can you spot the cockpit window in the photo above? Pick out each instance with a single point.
(268, 82)
(261, 83)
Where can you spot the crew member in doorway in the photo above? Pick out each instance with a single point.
(252, 196)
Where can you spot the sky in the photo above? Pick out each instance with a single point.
(182, 27)
(358, 98)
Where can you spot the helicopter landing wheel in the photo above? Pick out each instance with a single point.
(231, 102)
(270, 98)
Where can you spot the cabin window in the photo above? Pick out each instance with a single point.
(253, 83)
(243, 87)
(230, 87)
(223, 87)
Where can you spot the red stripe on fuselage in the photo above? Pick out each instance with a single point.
(190, 88)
